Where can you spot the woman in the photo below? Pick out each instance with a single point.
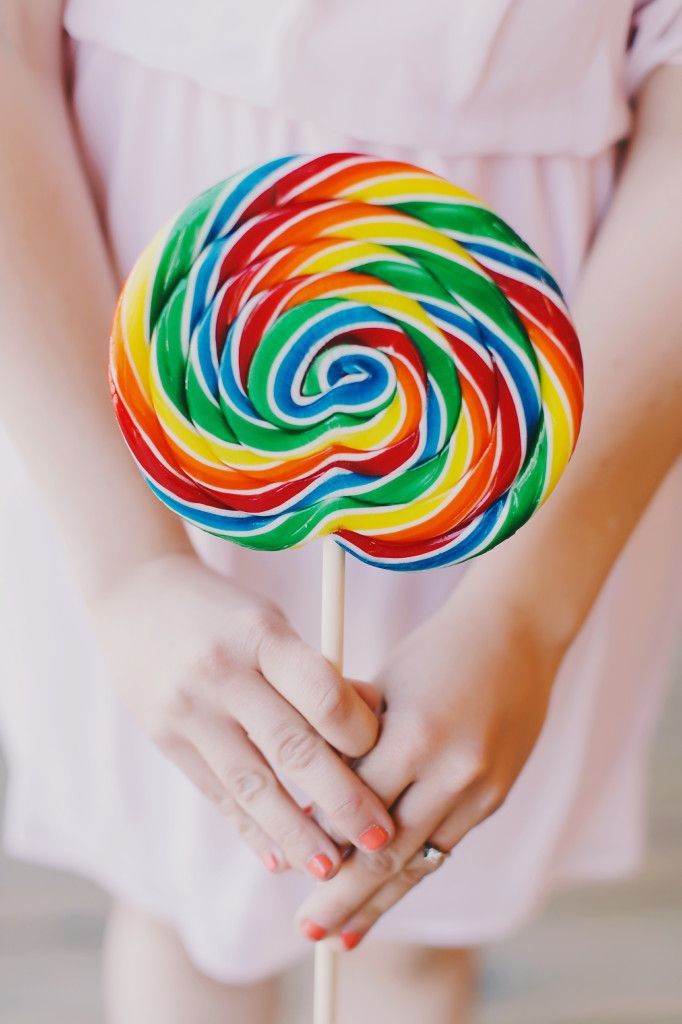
(539, 668)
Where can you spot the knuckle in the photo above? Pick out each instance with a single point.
(314, 671)
(492, 797)
(296, 748)
(471, 766)
(244, 825)
(215, 664)
(180, 705)
(414, 872)
(383, 863)
(258, 627)
(332, 703)
(292, 836)
(349, 806)
(479, 767)
(248, 784)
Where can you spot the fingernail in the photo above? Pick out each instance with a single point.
(374, 838)
(270, 861)
(320, 866)
(312, 931)
(350, 939)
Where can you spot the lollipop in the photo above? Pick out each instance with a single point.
(341, 345)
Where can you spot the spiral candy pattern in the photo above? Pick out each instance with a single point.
(342, 344)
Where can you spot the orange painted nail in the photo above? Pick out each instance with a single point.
(350, 939)
(320, 866)
(312, 931)
(374, 838)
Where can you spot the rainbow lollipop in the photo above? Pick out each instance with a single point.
(341, 344)
(346, 346)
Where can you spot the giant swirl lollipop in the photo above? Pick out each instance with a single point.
(341, 344)
(344, 345)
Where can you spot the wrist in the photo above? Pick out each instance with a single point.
(521, 605)
(107, 575)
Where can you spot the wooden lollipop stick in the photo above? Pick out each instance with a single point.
(331, 644)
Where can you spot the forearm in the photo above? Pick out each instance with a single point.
(628, 312)
(57, 294)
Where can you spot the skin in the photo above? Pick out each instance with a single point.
(148, 978)
(229, 692)
(216, 675)
(449, 750)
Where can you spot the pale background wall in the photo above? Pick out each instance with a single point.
(600, 955)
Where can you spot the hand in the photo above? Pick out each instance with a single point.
(225, 687)
(465, 697)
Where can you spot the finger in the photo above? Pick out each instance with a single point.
(187, 758)
(303, 757)
(355, 928)
(482, 800)
(251, 783)
(371, 695)
(393, 764)
(472, 806)
(313, 686)
(390, 767)
(417, 814)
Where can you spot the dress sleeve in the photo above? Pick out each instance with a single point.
(655, 39)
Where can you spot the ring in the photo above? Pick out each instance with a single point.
(433, 856)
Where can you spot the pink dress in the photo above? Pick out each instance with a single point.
(520, 101)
